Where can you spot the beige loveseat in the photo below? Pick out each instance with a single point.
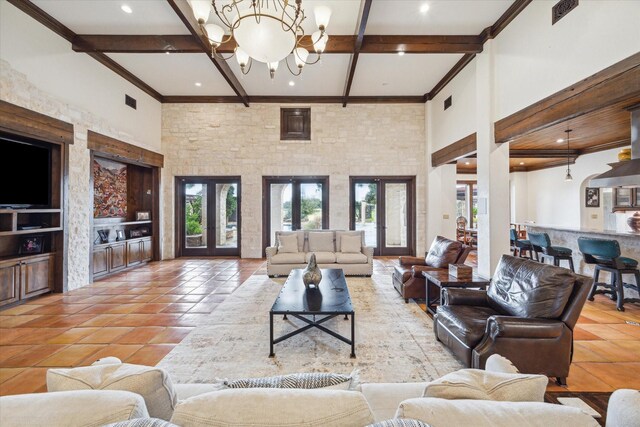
(333, 249)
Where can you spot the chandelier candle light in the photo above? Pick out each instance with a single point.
(263, 30)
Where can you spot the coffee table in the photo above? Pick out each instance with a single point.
(442, 279)
(314, 306)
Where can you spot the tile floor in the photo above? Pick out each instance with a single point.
(139, 316)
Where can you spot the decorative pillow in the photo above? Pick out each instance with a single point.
(351, 244)
(443, 252)
(310, 380)
(500, 364)
(153, 384)
(482, 385)
(341, 234)
(143, 422)
(530, 289)
(399, 422)
(287, 243)
(321, 241)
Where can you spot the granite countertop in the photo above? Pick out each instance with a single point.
(584, 230)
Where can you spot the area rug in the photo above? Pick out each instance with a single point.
(394, 340)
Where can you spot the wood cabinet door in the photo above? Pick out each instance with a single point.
(134, 253)
(37, 276)
(147, 249)
(9, 282)
(118, 257)
(100, 261)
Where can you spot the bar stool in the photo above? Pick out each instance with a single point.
(605, 254)
(542, 244)
(520, 245)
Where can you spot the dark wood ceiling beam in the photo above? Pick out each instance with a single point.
(295, 99)
(451, 153)
(136, 43)
(57, 27)
(488, 33)
(421, 44)
(184, 12)
(356, 50)
(542, 153)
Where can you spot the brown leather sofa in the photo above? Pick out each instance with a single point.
(407, 275)
(527, 315)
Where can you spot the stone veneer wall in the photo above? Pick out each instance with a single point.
(230, 140)
(16, 89)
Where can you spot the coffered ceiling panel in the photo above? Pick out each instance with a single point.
(463, 17)
(391, 74)
(107, 17)
(326, 78)
(176, 74)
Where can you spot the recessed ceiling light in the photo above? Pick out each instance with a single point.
(559, 140)
(292, 83)
(198, 84)
(126, 8)
(424, 8)
(168, 53)
(521, 163)
(401, 53)
(467, 163)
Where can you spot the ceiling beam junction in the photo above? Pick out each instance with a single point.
(356, 50)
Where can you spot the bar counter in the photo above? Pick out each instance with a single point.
(568, 237)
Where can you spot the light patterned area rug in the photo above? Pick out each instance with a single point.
(394, 340)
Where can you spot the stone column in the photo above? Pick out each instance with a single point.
(493, 171)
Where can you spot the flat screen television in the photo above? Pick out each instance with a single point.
(25, 173)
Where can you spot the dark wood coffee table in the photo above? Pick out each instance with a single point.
(332, 299)
(442, 279)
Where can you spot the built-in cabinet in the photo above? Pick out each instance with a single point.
(26, 277)
(626, 199)
(113, 257)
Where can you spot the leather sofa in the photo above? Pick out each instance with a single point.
(328, 247)
(407, 275)
(527, 315)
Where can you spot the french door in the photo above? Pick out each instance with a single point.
(294, 203)
(208, 220)
(385, 209)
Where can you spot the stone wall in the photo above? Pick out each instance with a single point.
(232, 140)
(16, 89)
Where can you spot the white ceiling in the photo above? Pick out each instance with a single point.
(444, 17)
(400, 75)
(175, 74)
(376, 74)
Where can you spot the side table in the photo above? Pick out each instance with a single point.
(442, 279)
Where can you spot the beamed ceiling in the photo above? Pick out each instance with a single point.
(159, 48)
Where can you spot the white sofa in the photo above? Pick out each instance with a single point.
(199, 405)
(329, 249)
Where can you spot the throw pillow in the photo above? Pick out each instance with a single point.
(300, 380)
(288, 243)
(399, 422)
(482, 385)
(443, 252)
(321, 241)
(351, 244)
(142, 422)
(500, 364)
(153, 384)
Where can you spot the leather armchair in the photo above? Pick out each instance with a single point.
(527, 315)
(407, 275)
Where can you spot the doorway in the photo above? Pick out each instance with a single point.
(208, 220)
(294, 203)
(385, 209)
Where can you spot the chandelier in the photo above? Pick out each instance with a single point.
(568, 177)
(266, 31)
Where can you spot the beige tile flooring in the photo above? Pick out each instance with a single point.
(139, 316)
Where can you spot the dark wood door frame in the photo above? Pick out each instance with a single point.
(179, 231)
(295, 200)
(411, 208)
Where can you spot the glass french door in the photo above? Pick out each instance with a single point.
(384, 208)
(208, 216)
(294, 203)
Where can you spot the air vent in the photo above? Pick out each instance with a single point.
(131, 102)
(447, 103)
(561, 9)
